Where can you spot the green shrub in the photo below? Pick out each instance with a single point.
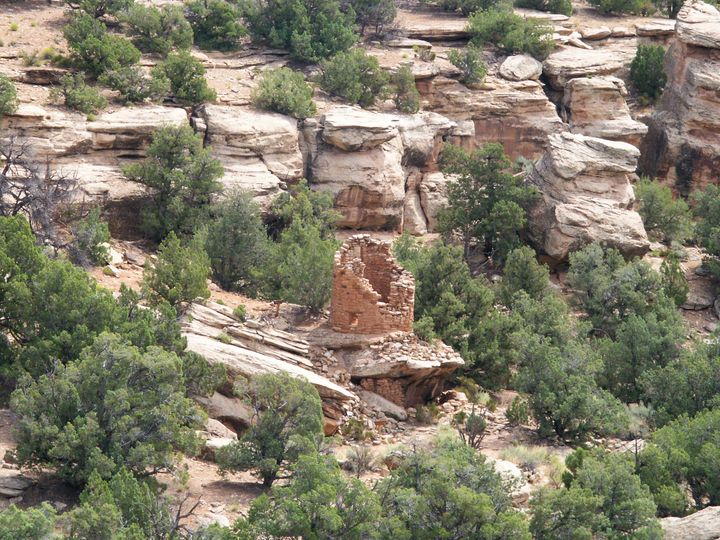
(285, 91)
(121, 507)
(427, 414)
(96, 51)
(707, 210)
(635, 7)
(35, 523)
(240, 312)
(135, 86)
(178, 275)
(466, 7)
(511, 33)
(606, 499)
(90, 237)
(8, 96)
(670, 7)
(375, 14)
(236, 243)
(487, 204)
(563, 7)
(115, 406)
(159, 30)
(288, 420)
(182, 175)
(407, 97)
(665, 218)
(319, 502)
(518, 413)
(647, 73)
(675, 284)
(470, 62)
(354, 76)
(299, 263)
(310, 29)
(98, 8)
(187, 78)
(78, 95)
(215, 24)
(523, 272)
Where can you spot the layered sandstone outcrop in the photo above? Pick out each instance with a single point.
(596, 107)
(93, 152)
(586, 196)
(364, 158)
(371, 293)
(517, 114)
(260, 151)
(683, 143)
(573, 63)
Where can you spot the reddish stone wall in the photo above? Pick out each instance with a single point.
(371, 293)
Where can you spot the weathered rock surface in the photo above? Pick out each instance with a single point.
(572, 62)
(381, 404)
(403, 369)
(254, 350)
(596, 107)
(259, 150)
(361, 157)
(702, 525)
(517, 114)
(683, 143)
(227, 409)
(514, 478)
(13, 483)
(586, 196)
(433, 197)
(520, 67)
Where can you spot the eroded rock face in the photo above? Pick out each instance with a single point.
(596, 107)
(572, 62)
(586, 197)
(517, 114)
(702, 525)
(259, 150)
(93, 152)
(683, 143)
(364, 158)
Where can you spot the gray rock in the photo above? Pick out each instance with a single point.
(381, 404)
(520, 68)
(702, 525)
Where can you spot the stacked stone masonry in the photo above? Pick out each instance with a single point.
(371, 294)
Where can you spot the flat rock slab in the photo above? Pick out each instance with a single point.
(13, 483)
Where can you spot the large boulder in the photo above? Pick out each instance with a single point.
(702, 525)
(586, 196)
(259, 150)
(520, 68)
(596, 107)
(683, 143)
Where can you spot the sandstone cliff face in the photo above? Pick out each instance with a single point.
(365, 159)
(93, 152)
(259, 150)
(517, 114)
(596, 107)
(683, 143)
(586, 197)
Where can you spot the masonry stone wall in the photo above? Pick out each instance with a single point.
(371, 293)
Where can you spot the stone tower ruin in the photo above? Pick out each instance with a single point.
(371, 293)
